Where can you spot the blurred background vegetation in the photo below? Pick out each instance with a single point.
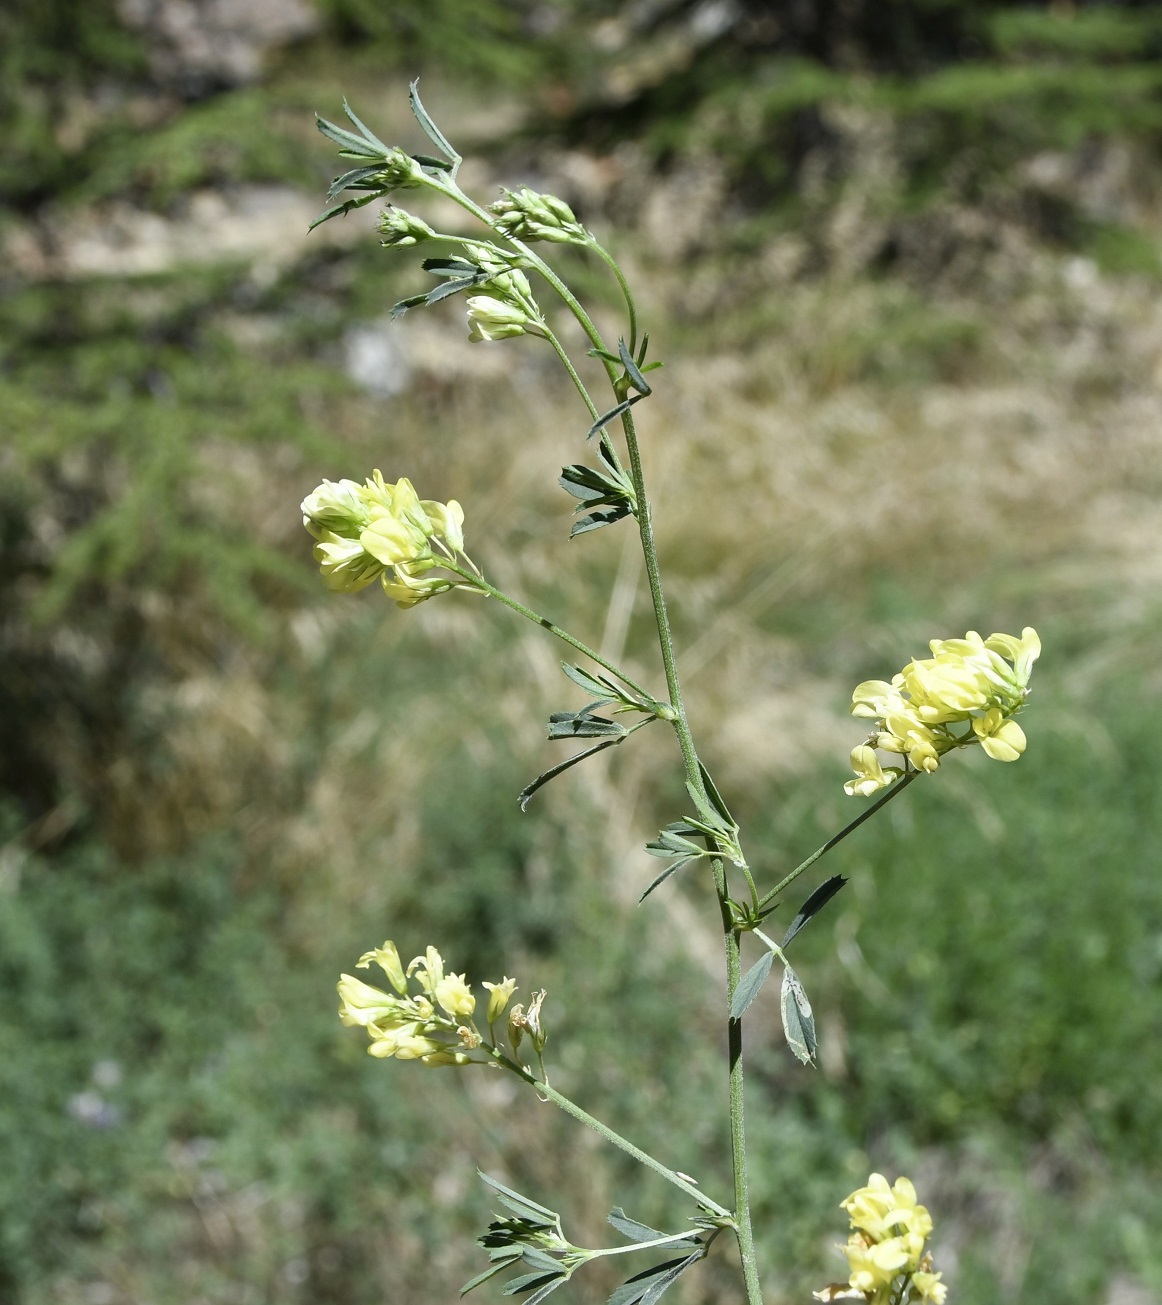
(903, 260)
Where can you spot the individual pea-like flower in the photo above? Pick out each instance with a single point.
(967, 692)
(528, 215)
(428, 1014)
(490, 318)
(380, 531)
(870, 775)
(499, 995)
(887, 1258)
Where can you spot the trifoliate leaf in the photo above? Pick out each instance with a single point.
(581, 725)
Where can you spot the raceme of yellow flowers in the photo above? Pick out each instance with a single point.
(886, 1251)
(377, 531)
(967, 692)
(433, 1024)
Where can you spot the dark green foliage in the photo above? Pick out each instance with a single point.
(53, 54)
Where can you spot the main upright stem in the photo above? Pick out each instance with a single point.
(742, 1220)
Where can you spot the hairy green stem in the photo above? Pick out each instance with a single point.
(631, 306)
(603, 1130)
(742, 1220)
(897, 787)
(482, 585)
(567, 363)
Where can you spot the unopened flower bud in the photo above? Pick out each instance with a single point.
(498, 997)
(527, 215)
(490, 318)
(400, 229)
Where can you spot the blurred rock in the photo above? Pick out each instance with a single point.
(265, 224)
(198, 45)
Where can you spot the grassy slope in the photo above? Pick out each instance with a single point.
(846, 466)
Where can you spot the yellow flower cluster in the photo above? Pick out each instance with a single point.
(886, 1250)
(968, 691)
(377, 531)
(433, 1025)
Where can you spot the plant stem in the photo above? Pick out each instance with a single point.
(631, 307)
(482, 585)
(603, 1130)
(897, 787)
(742, 1220)
(567, 363)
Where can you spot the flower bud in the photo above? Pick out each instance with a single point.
(335, 508)
(498, 997)
(526, 215)
(400, 229)
(490, 318)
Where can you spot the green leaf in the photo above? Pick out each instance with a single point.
(670, 843)
(591, 684)
(798, 1022)
(367, 132)
(540, 1260)
(488, 1273)
(813, 905)
(581, 725)
(605, 516)
(646, 1287)
(452, 267)
(433, 133)
(547, 1289)
(520, 1205)
(749, 985)
(354, 146)
(638, 1232)
(666, 873)
(705, 810)
(716, 798)
(636, 379)
(341, 210)
(541, 780)
(603, 420)
(350, 181)
(428, 161)
(530, 1281)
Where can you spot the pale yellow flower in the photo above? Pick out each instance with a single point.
(335, 507)
(874, 698)
(387, 958)
(876, 1264)
(365, 1005)
(406, 1043)
(383, 531)
(499, 995)
(967, 692)
(455, 996)
(1002, 739)
(490, 318)
(346, 565)
(870, 775)
(930, 1287)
